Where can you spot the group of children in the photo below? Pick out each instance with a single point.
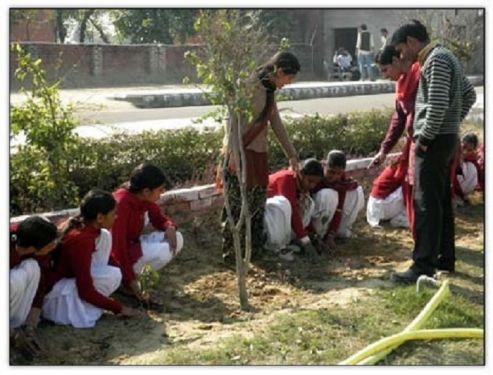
(67, 274)
(388, 203)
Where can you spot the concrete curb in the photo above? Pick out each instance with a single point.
(300, 91)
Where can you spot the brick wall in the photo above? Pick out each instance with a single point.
(182, 205)
(99, 65)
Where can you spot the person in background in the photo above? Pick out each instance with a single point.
(364, 53)
(289, 208)
(341, 199)
(278, 71)
(83, 280)
(469, 175)
(384, 34)
(444, 98)
(342, 58)
(131, 249)
(31, 242)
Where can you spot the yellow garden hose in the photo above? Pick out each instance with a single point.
(378, 350)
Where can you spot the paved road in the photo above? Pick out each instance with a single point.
(118, 112)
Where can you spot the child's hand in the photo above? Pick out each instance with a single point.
(128, 312)
(171, 238)
(377, 160)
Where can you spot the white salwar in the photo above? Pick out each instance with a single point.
(353, 204)
(63, 304)
(24, 281)
(391, 208)
(469, 177)
(156, 251)
(277, 220)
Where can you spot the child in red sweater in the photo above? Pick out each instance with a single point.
(31, 242)
(470, 174)
(339, 198)
(132, 251)
(289, 208)
(83, 279)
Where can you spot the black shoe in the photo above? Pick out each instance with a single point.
(407, 277)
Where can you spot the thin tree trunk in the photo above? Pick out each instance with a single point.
(60, 27)
(83, 24)
(100, 31)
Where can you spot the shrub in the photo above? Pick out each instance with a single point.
(188, 155)
(39, 169)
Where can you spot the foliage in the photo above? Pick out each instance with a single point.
(40, 167)
(189, 155)
(153, 25)
(149, 279)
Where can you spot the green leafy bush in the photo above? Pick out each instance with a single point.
(187, 155)
(39, 177)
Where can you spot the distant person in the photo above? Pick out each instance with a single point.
(342, 58)
(289, 208)
(470, 175)
(444, 98)
(131, 249)
(280, 70)
(364, 53)
(83, 280)
(384, 38)
(406, 75)
(31, 242)
(342, 197)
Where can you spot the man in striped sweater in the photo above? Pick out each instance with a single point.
(444, 98)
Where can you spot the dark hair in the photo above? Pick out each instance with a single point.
(312, 167)
(146, 176)
(385, 56)
(413, 29)
(284, 60)
(384, 30)
(95, 202)
(471, 138)
(35, 231)
(336, 158)
(363, 26)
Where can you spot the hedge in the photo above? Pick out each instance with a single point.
(188, 156)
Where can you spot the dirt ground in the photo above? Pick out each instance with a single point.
(201, 302)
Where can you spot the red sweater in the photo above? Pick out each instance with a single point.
(284, 183)
(44, 263)
(75, 259)
(342, 186)
(128, 226)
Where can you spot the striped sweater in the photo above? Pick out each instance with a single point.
(444, 96)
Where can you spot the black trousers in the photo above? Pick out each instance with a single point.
(434, 216)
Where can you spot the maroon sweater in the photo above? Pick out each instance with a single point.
(342, 186)
(284, 183)
(128, 226)
(74, 261)
(44, 263)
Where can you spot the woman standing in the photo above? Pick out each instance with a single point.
(278, 71)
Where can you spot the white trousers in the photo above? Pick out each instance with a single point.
(63, 304)
(277, 220)
(353, 204)
(469, 179)
(391, 208)
(24, 281)
(155, 251)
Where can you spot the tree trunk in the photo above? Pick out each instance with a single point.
(83, 24)
(100, 31)
(61, 31)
